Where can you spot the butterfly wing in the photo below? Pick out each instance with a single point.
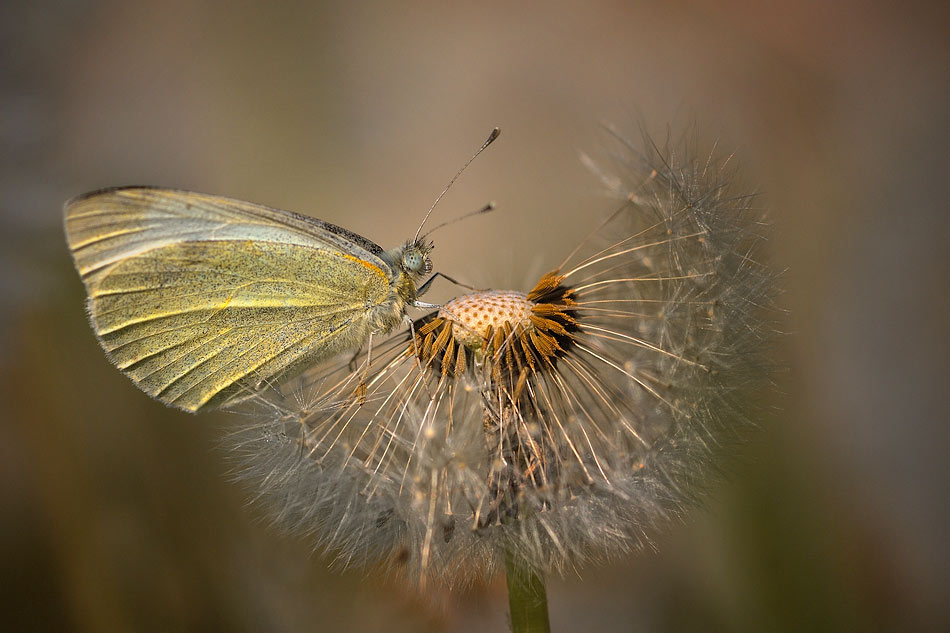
(198, 298)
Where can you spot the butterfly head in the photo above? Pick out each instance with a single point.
(414, 258)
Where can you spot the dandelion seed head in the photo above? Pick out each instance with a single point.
(561, 425)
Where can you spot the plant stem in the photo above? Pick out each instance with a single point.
(527, 597)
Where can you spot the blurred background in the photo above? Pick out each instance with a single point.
(118, 514)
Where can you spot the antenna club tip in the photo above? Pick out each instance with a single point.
(494, 134)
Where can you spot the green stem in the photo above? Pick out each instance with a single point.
(527, 597)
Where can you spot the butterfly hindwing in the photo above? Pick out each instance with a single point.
(197, 298)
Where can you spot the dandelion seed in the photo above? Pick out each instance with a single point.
(560, 425)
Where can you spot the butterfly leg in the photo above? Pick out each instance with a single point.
(356, 354)
(360, 391)
(425, 287)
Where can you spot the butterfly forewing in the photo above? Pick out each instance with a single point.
(109, 225)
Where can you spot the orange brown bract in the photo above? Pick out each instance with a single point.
(518, 332)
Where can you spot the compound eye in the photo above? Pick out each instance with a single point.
(414, 262)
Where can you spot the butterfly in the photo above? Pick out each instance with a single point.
(200, 299)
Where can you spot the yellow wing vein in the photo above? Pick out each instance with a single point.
(211, 354)
(194, 343)
(164, 332)
(216, 374)
(241, 281)
(96, 239)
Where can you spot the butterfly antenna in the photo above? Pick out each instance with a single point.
(487, 208)
(491, 139)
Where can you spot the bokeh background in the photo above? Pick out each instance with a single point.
(117, 514)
